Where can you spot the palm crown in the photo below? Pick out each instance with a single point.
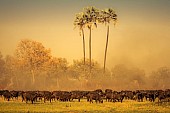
(91, 15)
(106, 16)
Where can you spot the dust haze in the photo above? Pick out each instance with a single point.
(40, 50)
(141, 48)
(134, 63)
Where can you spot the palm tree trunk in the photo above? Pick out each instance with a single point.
(83, 46)
(107, 40)
(90, 49)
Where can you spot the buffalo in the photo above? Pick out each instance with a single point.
(29, 96)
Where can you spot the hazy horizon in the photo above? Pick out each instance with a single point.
(140, 37)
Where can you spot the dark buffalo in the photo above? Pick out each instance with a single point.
(65, 96)
(1, 92)
(29, 96)
(129, 95)
(108, 95)
(108, 91)
(115, 96)
(167, 94)
(93, 95)
(161, 96)
(7, 95)
(14, 94)
(118, 96)
(48, 96)
(150, 95)
(57, 94)
(139, 95)
(40, 95)
(77, 95)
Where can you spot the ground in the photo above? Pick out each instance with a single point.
(128, 106)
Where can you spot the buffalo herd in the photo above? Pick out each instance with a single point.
(99, 96)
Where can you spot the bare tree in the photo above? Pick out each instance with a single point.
(32, 55)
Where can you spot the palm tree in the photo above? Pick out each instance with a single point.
(80, 22)
(105, 17)
(91, 14)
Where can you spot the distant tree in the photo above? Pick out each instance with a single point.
(120, 71)
(56, 68)
(160, 78)
(128, 78)
(106, 17)
(12, 72)
(137, 78)
(2, 72)
(2, 63)
(84, 76)
(8, 71)
(32, 56)
(78, 67)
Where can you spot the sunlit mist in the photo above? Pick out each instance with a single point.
(139, 43)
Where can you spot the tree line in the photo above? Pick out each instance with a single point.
(32, 67)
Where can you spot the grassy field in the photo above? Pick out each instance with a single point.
(127, 106)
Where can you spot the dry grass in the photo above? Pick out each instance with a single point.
(127, 106)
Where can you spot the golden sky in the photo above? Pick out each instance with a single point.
(140, 38)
